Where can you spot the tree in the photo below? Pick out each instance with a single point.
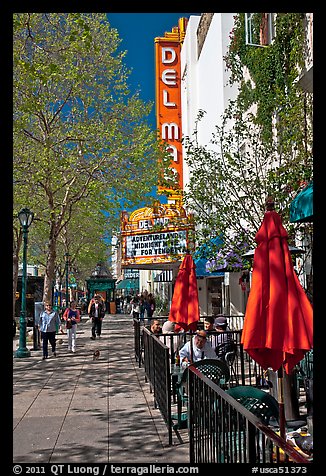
(81, 139)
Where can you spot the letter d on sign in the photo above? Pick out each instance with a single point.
(165, 59)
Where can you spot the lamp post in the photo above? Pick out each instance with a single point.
(67, 256)
(25, 217)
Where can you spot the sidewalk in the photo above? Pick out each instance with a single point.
(73, 409)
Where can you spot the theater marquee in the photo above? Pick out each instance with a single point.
(155, 237)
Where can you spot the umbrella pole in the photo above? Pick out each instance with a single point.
(280, 392)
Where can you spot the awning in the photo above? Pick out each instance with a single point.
(164, 276)
(128, 284)
(301, 208)
(201, 269)
(200, 258)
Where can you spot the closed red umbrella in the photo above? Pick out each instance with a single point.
(184, 309)
(278, 324)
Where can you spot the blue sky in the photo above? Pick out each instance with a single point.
(137, 31)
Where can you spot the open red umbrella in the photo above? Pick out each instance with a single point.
(278, 324)
(184, 309)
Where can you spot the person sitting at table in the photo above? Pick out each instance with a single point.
(209, 323)
(224, 342)
(169, 328)
(201, 349)
(156, 327)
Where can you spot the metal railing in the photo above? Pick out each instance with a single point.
(221, 430)
(244, 370)
(138, 341)
(158, 355)
(157, 372)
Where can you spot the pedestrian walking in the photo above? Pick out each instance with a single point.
(97, 313)
(48, 324)
(142, 309)
(71, 316)
(135, 307)
(150, 307)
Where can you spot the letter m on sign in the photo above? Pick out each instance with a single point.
(170, 131)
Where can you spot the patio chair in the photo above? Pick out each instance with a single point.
(230, 359)
(258, 402)
(304, 376)
(215, 369)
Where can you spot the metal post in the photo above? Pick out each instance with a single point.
(22, 350)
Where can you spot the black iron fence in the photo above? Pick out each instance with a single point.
(138, 341)
(157, 372)
(243, 369)
(221, 430)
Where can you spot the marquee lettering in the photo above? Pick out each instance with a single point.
(174, 152)
(156, 244)
(172, 131)
(168, 95)
(169, 77)
(165, 59)
(166, 99)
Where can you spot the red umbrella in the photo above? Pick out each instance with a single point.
(185, 306)
(278, 324)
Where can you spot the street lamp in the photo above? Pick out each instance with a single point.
(25, 217)
(67, 256)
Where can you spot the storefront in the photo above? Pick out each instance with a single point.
(101, 282)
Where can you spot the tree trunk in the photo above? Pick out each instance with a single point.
(49, 277)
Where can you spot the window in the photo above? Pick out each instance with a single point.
(259, 29)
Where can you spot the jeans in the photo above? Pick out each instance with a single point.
(96, 326)
(71, 333)
(48, 336)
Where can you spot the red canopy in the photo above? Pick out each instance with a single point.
(278, 324)
(185, 306)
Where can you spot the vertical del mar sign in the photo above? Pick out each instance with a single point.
(168, 94)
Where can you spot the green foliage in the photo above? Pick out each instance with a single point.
(273, 70)
(82, 142)
(264, 145)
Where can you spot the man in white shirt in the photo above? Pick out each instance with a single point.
(201, 349)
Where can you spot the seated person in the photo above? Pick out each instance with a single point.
(167, 328)
(224, 342)
(156, 327)
(201, 349)
(209, 323)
